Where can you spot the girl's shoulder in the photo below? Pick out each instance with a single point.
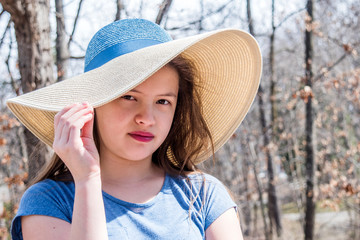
(198, 183)
(48, 194)
(50, 187)
(205, 195)
(196, 176)
(48, 198)
(199, 178)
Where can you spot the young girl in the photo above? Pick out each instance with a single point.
(128, 133)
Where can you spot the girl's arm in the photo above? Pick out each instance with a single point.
(74, 144)
(225, 227)
(88, 220)
(43, 228)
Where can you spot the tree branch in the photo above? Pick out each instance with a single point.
(75, 23)
(289, 16)
(77, 57)
(329, 68)
(79, 46)
(141, 5)
(164, 8)
(6, 29)
(14, 8)
(187, 27)
(12, 81)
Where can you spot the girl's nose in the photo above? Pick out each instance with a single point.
(145, 116)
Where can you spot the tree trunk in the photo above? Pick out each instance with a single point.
(273, 209)
(274, 212)
(119, 7)
(259, 189)
(32, 30)
(164, 8)
(268, 234)
(62, 51)
(309, 151)
(271, 68)
(246, 209)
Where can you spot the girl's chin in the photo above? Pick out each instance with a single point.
(140, 158)
(136, 157)
(132, 152)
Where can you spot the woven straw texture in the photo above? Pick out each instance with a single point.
(228, 62)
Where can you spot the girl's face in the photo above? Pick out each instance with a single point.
(133, 126)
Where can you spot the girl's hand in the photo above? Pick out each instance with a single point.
(74, 142)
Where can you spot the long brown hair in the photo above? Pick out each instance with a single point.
(187, 136)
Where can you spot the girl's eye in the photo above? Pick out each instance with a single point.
(163, 102)
(128, 97)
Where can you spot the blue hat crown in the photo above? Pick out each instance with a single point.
(122, 37)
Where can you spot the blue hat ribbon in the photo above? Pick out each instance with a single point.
(118, 50)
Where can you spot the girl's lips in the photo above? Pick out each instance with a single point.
(142, 136)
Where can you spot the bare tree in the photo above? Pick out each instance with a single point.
(262, 118)
(71, 37)
(309, 148)
(271, 68)
(274, 212)
(62, 44)
(273, 209)
(32, 30)
(62, 51)
(246, 209)
(259, 188)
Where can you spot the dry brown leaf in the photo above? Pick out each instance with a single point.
(3, 141)
(6, 159)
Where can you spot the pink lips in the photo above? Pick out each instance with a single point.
(142, 136)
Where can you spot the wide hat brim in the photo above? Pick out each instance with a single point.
(228, 63)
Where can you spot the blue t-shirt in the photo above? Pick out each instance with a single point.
(183, 209)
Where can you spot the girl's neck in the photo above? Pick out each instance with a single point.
(131, 181)
(117, 171)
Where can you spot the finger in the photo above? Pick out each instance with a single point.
(57, 126)
(71, 110)
(74, 131)
(87, 130)
(70, 139)
(79, 115)
(60, 117)
(63, 133)
(62, 112)
(65, 118)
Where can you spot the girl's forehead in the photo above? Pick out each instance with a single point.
(165, 81)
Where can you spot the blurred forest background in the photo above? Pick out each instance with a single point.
(293, 166)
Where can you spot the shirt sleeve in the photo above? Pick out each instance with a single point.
(48, 198)
(218, 200)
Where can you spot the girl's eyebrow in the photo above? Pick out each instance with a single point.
(169, 94)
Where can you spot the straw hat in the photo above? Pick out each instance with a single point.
(123, 54)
